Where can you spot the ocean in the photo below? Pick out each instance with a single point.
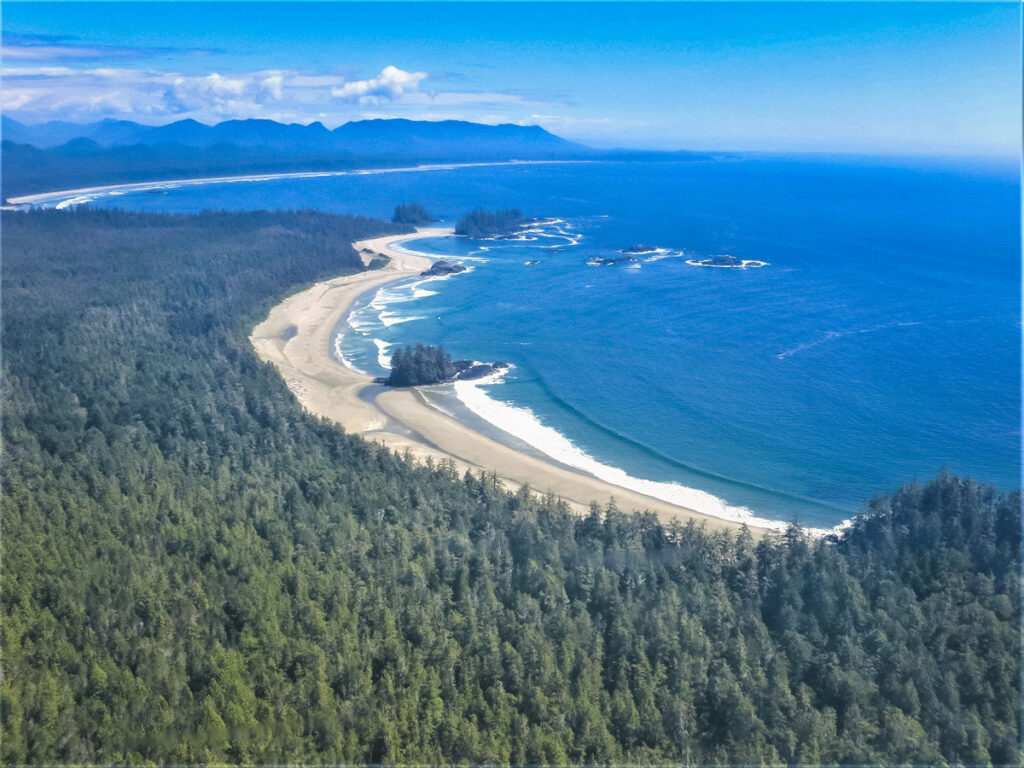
(880, 344)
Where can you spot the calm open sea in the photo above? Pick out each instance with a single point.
(880, 344)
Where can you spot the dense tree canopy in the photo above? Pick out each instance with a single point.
(196, 570)
(482, 224)
(412, 213)
(419, 365)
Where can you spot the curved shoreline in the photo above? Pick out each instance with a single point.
(69, 197)
(296, 337)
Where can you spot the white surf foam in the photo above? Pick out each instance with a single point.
(744, 264)
(341, 355)
(390, 318)
(524, 424)
(363, 319)
(663, 253)
(402, 248)
(832, 335)
(82, 200)
(383, 358)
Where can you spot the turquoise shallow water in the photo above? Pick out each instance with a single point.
(881, 343)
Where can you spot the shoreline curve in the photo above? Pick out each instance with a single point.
(296, 337)
(68, 197)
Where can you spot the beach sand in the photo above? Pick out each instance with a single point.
(297, 338)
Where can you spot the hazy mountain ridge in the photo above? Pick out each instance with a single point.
(358, 137)
(58, 155)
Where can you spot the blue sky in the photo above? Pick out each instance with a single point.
(869, 77)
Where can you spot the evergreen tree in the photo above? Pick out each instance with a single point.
(420, 365)
(413, 213)
(482, 224)
(196, 570)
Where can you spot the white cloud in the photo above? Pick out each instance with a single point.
(388, 86)
(40, 71)
(38, 93)
(32, 47)
(49, 52)
(273, 83)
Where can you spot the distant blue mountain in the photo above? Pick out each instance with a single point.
(45, 135)
(392, 138)
(58, 155)
(417, 137)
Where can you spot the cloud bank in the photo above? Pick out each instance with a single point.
(34, 93)
(66, 93)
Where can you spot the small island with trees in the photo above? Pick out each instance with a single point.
(725, 260)
(412, 213)
(640, 248)
(424, 365)
(484, 225)
(440, 268)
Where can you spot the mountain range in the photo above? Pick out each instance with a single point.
(59, 155)
(394, 138)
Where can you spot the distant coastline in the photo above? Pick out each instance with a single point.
(69, 197)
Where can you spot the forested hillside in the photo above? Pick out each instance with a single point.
(196, 571)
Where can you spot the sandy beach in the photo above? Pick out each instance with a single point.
(297, 335)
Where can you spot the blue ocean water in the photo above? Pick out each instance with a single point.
(880, 344)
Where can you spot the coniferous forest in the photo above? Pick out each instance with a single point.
(194, 570)
(484, 224)
(412, 213)
(419, 365)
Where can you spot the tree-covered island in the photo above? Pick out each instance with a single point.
(412, 213)
(726, 260)
(423, 365)
(640, 248)
(481, 224)
(441, 267)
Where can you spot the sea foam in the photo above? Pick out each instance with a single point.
(340, 355)
(390, 318)
(523, 424)
(383, 358)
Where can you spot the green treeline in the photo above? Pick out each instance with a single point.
(194, 570)
(415, 366)
(481, 224)
(413, 213)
